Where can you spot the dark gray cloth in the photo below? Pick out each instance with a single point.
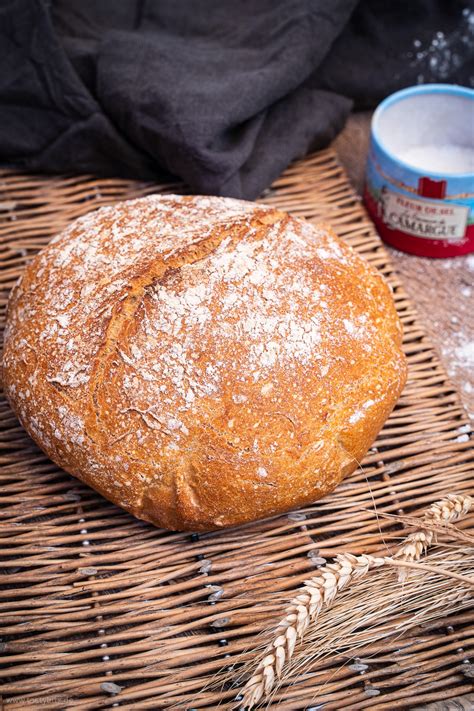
(223, 94)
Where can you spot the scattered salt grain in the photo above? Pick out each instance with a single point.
(358, 667)
(315, 558)
(213, 597)
(220, 622)
(206, 566)
(296, 516)
(111, 688)
(71, 496)
(394, 467)
(87, 571)
(370, 691)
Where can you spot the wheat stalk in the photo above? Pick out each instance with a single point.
(320, 591)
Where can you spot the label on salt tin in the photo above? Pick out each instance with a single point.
(429, 220)
(418, 213)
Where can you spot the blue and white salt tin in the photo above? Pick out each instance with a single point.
(420, 172)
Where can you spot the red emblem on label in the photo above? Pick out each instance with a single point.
(431, 188)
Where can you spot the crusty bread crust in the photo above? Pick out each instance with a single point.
(202, 361)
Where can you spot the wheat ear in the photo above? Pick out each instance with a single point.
(447, 510)
(321, 590)
(317, 592)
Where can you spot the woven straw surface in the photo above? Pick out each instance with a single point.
(90, 596)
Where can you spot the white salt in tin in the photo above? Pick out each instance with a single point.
(420, 172)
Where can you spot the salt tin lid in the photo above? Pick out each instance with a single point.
(420, 172)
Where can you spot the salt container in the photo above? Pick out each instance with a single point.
(419, 187)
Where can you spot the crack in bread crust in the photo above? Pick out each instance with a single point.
(153, 274)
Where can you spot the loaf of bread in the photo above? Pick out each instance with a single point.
(201, 361)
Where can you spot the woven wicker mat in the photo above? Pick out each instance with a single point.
(91, 595)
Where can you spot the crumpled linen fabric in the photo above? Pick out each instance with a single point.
(223, 95)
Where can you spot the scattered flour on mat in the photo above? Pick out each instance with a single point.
(459, 354)
(459, 358)
(465, 354)
(458, 348)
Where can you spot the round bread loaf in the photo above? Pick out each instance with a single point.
(202, 361)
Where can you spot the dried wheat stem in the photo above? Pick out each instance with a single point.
(429, 569)
(449, 529)
(321, 590)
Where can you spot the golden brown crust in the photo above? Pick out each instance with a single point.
(202, 362)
